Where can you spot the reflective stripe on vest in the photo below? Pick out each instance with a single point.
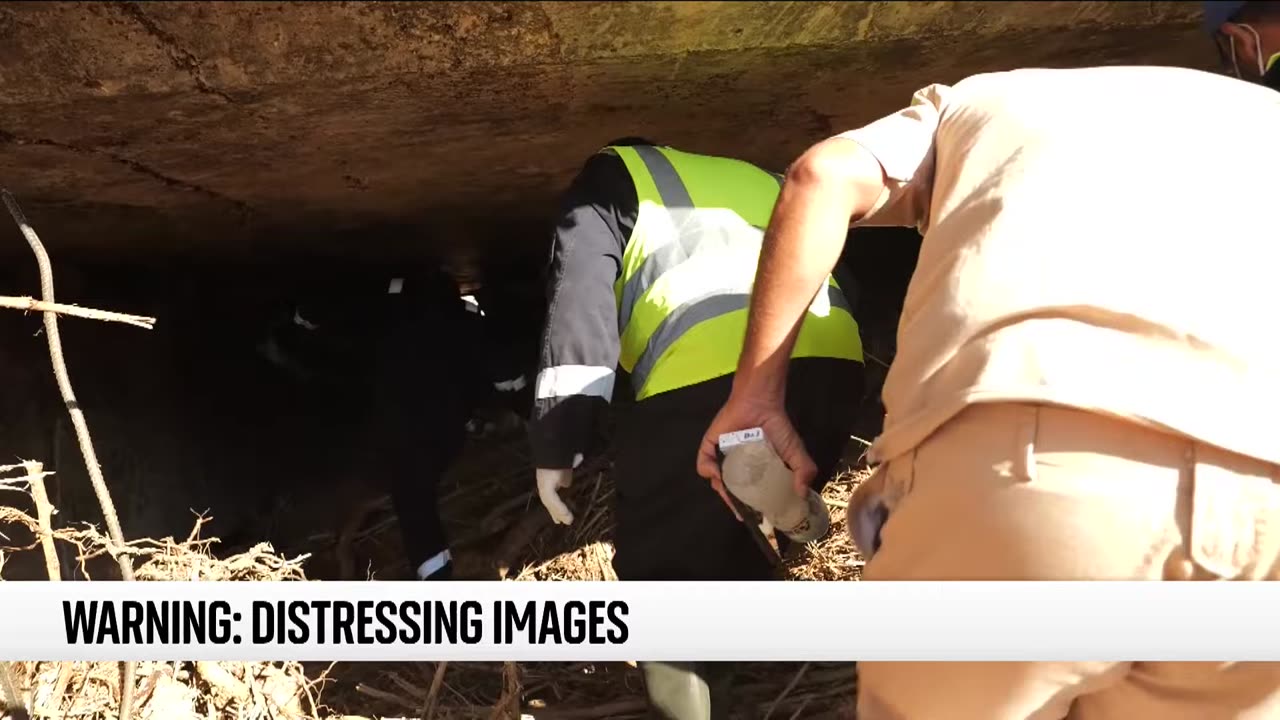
(689, 267)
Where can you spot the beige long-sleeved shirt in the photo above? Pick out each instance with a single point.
(1103, 238)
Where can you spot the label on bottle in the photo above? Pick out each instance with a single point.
(741, 437)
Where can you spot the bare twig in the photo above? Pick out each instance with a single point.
(390, 697)
(10, 468)
(433, 695)
(75, 699)
(33, 305)
(59, 688)
(44, 513)
(415, 692)
(610, 709)
(800, 710)
(508, 704)
(77, 419)
(311, 697)
(786, 690)
(875, 359)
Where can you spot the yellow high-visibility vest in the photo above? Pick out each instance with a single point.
(687, 272)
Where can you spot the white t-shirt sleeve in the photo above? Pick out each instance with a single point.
(903, 143)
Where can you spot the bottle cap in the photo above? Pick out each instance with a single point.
(741, 437)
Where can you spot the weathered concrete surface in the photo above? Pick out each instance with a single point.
(230, 127)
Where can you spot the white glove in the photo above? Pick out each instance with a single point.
(549, 483)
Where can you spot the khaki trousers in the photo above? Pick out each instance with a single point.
(1027, 492)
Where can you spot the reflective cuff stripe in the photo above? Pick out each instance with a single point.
(565, 380)
(434, 564)
(511, 385)
(301, 321)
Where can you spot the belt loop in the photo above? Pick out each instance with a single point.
(1028, 426)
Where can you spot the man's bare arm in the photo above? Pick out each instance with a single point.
(833, 184)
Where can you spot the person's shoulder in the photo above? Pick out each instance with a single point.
(602, 164)
(1144, 89)
(1101, 78)
(601, 176)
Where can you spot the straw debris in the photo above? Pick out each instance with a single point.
(442, 691)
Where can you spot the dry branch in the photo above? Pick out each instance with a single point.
(236, 690)
(786, 690)
(59, 687)
(31, 304)
(610, 709)
(433, 695)
(77, 419)
(387, 696)
(44, 515)
(508, 706)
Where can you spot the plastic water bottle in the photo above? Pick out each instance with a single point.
(755, 474)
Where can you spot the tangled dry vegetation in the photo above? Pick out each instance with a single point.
(163, 690)
(583, 551)
(445, 691)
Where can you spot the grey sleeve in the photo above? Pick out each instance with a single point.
(580, 344)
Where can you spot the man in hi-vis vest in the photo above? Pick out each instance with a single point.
(653, 263)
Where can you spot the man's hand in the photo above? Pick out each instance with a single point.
(833, 183)
(549, 483)
(742, 412)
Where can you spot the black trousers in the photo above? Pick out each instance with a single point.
(405, 432)
(415, 497)
(671, 525)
